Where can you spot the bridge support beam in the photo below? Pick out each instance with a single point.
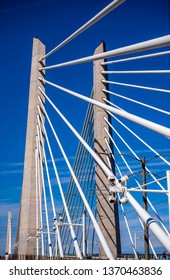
(26, 236)
(107, 213)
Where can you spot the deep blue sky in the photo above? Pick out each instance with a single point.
(52, 21)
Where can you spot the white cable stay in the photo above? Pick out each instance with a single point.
(135, 57)
(112, 104)
(136, 86)
(90, 150)
(137, 102)
(137, 72)
(40, 199)
(37, 200)
(106, 169)
(51, 192)
(135, 155)
(148, 191)
(48, 175)
(139, 138)
(141, 121)
(73, 235)
(44, 194)
(160, 42)
(122, 156)
(119, 152)
(114, 4)
(96, 226)
(150, 183)
(127, 165)
(147, 219)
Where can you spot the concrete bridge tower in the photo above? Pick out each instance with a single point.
(107, 213)
(26, 235)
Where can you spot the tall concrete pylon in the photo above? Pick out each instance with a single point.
(26, 235)
(107, 213)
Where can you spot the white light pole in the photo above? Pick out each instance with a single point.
(168, 187)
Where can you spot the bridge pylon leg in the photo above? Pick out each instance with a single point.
(26, 235)
(107, 213)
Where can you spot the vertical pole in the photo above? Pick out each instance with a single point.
(27, 220)
(135, 244)
(146, 230)
(9, 233)
(56, 244)
(37, 203)
(84, 234)
(107, 213)
(168, 186)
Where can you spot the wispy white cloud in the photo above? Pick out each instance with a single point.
(63, 180)
(11, 164)
(7, 168)
(7, 172)
(61, 159)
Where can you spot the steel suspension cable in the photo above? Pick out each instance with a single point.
(155, 228)
(78, 252)
(140, 139)
(137, 72)
(114, 4)
(135, 153)
(37, 201)
(85, 187)
(40, 199)
(137, 102)
(96, 226)
(132, 132)
(123, 158)
(150, 203)
(141, 121)
(88, 163)
(81, 151)
(150, 183)
(135, 57)
(94, 155)
(44, 194)
(136, 86)
(51, 193)
(139, 47)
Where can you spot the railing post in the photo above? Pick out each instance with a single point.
(107, 213)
